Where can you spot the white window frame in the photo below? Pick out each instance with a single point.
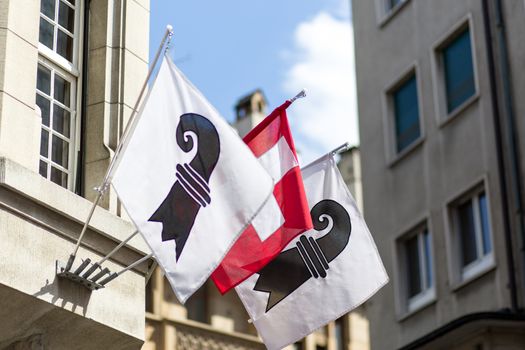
(73, 122)
(443, 116)
(483, 261)
(71, 67)
(70, 71)
(389, 123)
(461, 275)
(406, 305)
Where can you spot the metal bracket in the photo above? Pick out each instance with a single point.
(72, 276)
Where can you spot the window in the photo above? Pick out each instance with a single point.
(297, 345)
(458, 71)
(55, 99)
(416, 269)
(57, 26)
(406, 113)
(390, 4)
(454, 71)
(57, 81)
(472, 231)
(339, 334)
(197, 306)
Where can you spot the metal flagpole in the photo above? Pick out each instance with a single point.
(343, 148)
(301, 94)
(105, 183)
(109, 255)
(116, 274)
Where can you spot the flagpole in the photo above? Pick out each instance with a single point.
(301, 94)
(105, 182)
(109, 255)
(116, 274)
(343, 148)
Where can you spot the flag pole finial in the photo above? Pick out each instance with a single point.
(344, 147)
(301, 94)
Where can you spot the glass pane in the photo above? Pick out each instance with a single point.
(196, 306)
(60, 151)
(64, 45)
(406, 114)
(467, 233)
(44, 143)
(61, 120)
(459, 71)
(58, 177)
(413, 268)
(44, 105)
(42, 169)
(428, 259)
(45, 35)
(72, 2)
(47, 7)
(485, 229)
(62, 90)
(66, 17)
(297, 346)
(390, 4)
(339, 335)
(43, 80)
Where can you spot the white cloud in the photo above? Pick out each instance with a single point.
(322, 61)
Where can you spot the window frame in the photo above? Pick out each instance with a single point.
(69, 71)
(464, 274)
(73, 122)
(443, 116)
(385, 12)
(71, 67)
(406, 305)
(389, 117)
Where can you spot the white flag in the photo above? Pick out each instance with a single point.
(188, 182)
(321, 275)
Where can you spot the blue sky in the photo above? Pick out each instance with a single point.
(229, 48)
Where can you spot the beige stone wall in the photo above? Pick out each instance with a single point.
(40, 221)
(118, 66)
(19, 121)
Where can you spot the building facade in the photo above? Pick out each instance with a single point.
(210, 320)
(439, 88)
(70, 72)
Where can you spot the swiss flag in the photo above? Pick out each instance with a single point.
(284, 216)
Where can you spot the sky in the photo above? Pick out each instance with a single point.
(230, 48)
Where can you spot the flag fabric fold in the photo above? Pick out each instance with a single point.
(187, 181)
(321, 275)
(284, 216)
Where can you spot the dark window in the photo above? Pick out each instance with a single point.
(418, 272)
(197, 306)
(459, 71)
(473, 229)
(390, 4)
(467, 233)
(406, 112)
(413, 266)
(339, 334)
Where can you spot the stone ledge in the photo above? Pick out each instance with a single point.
(66, 203)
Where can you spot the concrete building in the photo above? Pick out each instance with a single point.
(212, 321)
(440, 105)
(70, 70)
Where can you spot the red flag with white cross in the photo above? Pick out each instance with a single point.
(284, 216)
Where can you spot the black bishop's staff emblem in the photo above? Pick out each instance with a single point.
(293, 267)
(191, 191)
